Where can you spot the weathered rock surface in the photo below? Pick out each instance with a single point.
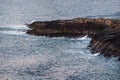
(105, 33)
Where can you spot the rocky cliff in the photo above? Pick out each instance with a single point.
(105, 33)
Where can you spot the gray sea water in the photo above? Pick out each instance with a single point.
(28, 57)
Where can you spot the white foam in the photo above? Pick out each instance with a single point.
(32, 21)
(81, 38)
(96, 54)
(58, 38)
(15, 27)
(13, 32)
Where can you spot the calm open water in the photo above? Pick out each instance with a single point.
(28, 57)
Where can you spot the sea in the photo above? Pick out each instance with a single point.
(29, 57)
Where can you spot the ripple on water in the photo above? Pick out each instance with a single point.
(40, 58)
(43, 58)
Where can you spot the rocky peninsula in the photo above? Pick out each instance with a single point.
(105, 33)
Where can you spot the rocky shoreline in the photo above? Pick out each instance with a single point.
(105, 33)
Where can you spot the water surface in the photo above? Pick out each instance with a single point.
(28, 57)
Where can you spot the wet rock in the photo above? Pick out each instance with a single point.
(105, 33)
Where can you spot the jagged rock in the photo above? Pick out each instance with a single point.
(107, 42)
(105, 33)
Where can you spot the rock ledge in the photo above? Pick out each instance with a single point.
(105, 33)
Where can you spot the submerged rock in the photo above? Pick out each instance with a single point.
(105, 33)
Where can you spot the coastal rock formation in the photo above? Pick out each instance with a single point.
(107, 41)
(105, 33)
(67, 28)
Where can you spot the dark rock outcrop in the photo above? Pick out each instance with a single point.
(107, 41)
(105, 33)
(68, 28)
